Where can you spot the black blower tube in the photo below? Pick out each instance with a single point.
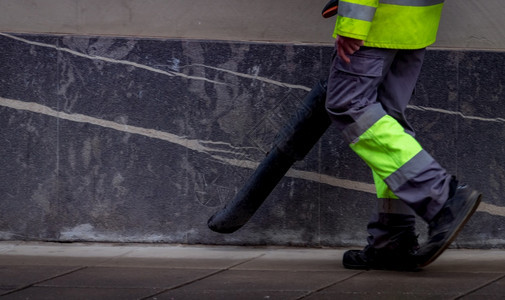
(295, 140)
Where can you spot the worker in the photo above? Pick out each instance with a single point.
(379, 50)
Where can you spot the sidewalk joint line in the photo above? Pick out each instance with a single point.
(329, 285)
(479, 287)
(42, 281)
(202, 278)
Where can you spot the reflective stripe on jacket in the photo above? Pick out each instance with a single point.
(397, 24)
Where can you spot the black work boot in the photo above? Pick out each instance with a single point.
(399, 256)
(445, 226)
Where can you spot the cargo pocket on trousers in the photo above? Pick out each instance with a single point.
(365, 71)
(362, 65)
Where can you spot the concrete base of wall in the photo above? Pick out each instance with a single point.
(142, 140)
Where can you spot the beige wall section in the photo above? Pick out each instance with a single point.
(476, 24)
(272, 20)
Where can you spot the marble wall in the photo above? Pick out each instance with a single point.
(142, 140)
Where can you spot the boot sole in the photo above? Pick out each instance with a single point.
(470, 208)
(408, 267)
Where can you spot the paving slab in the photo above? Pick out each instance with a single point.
(64, 261)
(296, 260)
(495, 290)
(50, 293)
(402, 285)
(101, 271)
(17, 277)
(186, 257)
(259, 284)
(56, 254)
(105, 277)
(454, 260)
(187, 294)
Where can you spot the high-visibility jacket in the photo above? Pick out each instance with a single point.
(395, 24)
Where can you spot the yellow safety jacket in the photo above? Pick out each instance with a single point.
(396, 24)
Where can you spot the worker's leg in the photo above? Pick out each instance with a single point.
(394, 155)
(393, 223)
(377, 137)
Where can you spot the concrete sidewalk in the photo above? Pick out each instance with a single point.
(111, 271)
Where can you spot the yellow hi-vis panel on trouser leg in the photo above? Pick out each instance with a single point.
(383, 191)
(385, 146)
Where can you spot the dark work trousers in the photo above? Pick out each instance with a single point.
(366, 100)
